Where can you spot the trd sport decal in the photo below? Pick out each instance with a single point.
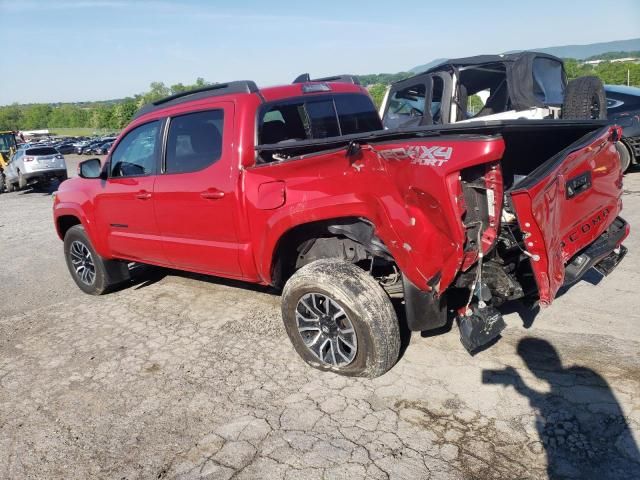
(419, 154)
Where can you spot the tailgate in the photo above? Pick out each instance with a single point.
(566, 204)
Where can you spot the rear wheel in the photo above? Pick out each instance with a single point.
(340, 319)
(9, 185)
(585, 99)
(22, 182)
(92, 273)
(625, 156)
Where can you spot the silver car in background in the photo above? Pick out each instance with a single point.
(35, 165)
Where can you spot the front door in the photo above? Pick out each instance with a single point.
(195, 195)
(125, 206)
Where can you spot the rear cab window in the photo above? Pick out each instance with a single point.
(315, 117)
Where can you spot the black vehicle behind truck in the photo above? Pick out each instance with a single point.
(623, 108)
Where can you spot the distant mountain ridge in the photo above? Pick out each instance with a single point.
(579, 52)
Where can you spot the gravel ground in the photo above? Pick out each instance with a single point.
(185, 376)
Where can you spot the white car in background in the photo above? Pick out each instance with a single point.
(35, 165)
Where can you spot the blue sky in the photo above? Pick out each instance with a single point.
(71, 50)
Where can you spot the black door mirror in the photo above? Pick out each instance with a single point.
(91, 168)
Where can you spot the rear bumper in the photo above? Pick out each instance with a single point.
(605, 253)
(37, 176)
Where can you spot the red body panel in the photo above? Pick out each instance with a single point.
(556, 226)
(227, 219)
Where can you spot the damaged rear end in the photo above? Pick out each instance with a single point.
(537, 206)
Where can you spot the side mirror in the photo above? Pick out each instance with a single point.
(91, 168)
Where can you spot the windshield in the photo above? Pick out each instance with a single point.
(7, 142)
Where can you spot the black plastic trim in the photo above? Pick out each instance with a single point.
(217, 90)
(598, 251)
(343, 78)
(424, 310)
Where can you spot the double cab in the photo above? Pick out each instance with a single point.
(300, 187)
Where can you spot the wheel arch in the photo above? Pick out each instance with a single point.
(64, 223)
(67, 215)
(356, 229)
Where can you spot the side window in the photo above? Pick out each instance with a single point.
(137, 152)
(436, 100)
(406, 105)
(548, 82)
(194, 141)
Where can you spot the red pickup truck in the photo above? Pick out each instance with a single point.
(300, 187)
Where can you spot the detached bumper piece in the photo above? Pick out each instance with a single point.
(480, 327)
(605, 253)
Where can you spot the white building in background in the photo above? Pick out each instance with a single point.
(615, 60)
(35, 133)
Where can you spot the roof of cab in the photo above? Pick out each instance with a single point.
(249, 87)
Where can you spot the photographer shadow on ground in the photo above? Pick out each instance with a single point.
(579, 421)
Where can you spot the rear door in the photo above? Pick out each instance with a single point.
(566, 203)
(195, 194)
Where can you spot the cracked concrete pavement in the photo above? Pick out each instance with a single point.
(184, 376)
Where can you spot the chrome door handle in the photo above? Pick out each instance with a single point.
(143, 195)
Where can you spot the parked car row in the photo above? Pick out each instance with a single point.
(99, 146)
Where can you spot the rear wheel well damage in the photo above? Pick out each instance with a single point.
(354, 240)
(65, 222)
(351, 238)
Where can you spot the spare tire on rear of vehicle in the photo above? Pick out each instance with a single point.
(584, 99)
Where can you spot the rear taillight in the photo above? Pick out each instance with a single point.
(29, 159)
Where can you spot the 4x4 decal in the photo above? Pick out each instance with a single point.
(433, 156)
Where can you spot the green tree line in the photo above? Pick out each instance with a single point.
(116, 114)
(112, 115)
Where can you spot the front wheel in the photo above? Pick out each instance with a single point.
(340, 319)
(92, 273)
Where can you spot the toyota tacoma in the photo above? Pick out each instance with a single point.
(300, 187)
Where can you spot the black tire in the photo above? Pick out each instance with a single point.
(3, 183)
(22, 182)
(107, 273)
(585, 99)
(366, 305)
(625, 156)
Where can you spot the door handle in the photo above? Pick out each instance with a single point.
(212, 194)
(143, 195)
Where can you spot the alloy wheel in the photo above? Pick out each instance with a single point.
(82, 261)
(326, 329)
